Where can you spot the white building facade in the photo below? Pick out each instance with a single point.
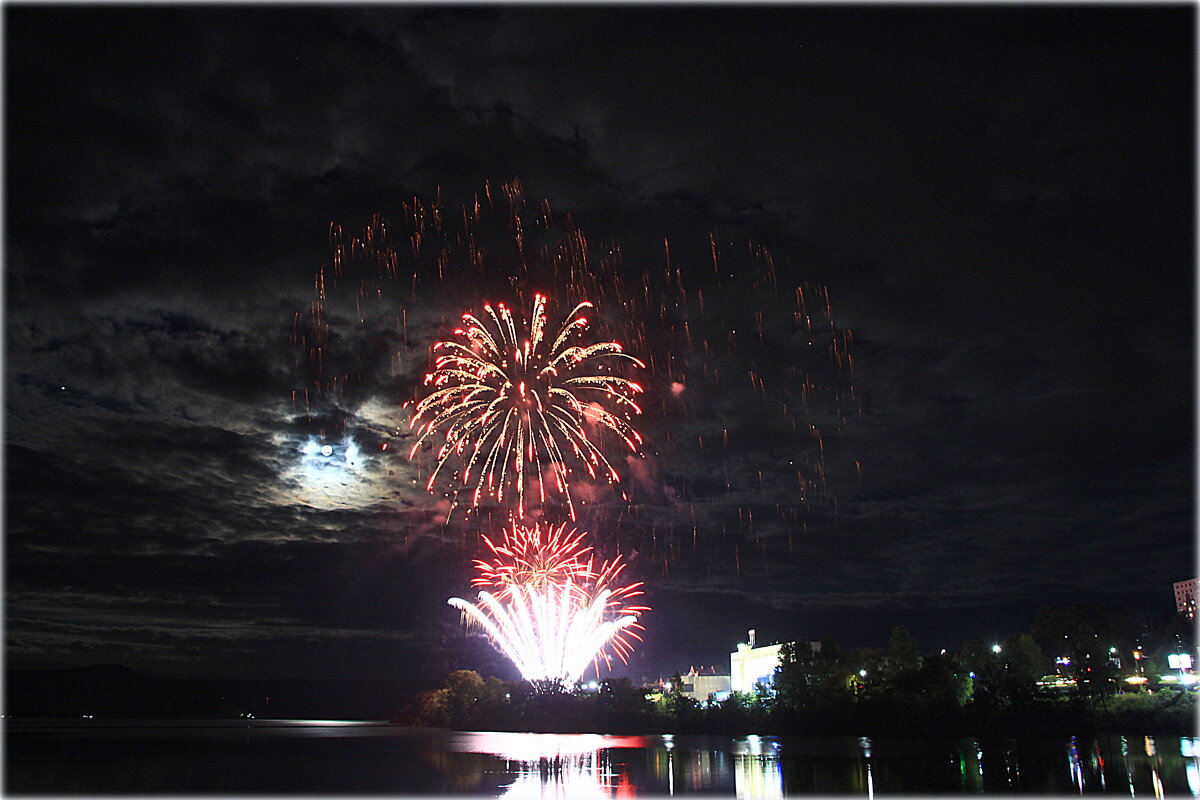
(750, 665)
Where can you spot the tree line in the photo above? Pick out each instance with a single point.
(980, 686)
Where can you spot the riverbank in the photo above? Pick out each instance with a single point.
(1168, 713)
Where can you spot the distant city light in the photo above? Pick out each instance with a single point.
(995, 648)
(1058, 681)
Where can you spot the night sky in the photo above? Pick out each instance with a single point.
(1000, 202)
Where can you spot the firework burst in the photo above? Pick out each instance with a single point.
(549, 608)
(751, 376)
(534, 557)
(517, 411)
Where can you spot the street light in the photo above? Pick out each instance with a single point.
(996, 649)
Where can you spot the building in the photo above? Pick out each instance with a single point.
(701, 685)
(750, 665)
(1185, 598)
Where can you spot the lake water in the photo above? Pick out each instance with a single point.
(330, 757)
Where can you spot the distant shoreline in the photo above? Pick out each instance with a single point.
(1175, 725)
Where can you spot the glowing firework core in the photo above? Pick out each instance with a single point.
(548, 608)
(514, 409)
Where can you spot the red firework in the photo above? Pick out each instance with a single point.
(516, 410)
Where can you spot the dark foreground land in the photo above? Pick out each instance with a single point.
(468, 702)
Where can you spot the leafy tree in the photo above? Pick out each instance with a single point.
(937, 688)
(621, 703)
(675, 702)
(791, 678)
(466, 700)
(873, 663)
(494, 702)
(731, 714)
(464, 689)
(1025, 660)
(432, 708)
(764, 695)
(1082, 633)
(903, 651)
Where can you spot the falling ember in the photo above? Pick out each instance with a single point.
(788, 364)
(548, 607)
(516, 412)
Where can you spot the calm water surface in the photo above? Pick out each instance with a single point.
(329, 757)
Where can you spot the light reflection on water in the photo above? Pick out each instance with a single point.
(324, 757)
(556, 765)
(1189, 748)
(590, 765)
(865, 743)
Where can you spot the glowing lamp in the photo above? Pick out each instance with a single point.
(1179, 661)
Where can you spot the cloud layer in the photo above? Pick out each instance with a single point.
(999, 201)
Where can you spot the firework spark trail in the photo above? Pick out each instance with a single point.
(549, 609)
(547, 634)
(534, 557)
(723, 335)
(719, 324)
(515, 409)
